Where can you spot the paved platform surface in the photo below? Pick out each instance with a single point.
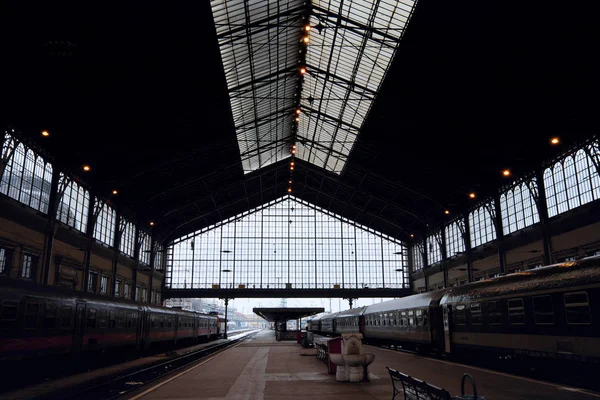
(264, 369)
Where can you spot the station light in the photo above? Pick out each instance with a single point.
(290, 181)
(151, 223)
(412, 235)
(297, 119)
(472, 195)
(555, 140)
(298, 111)
(86, 168)
(115, 191)
(45, 133)
(506, 172)
(289, 190)
(307, 28)
(302, 70)
(446, 212)
(305, 39)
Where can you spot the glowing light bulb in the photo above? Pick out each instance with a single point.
(302, 70)
(506, 172)
(555, 140)
(45, 133)
(447, 212)
(151, 223)
(115, 191)
(86, 168)
(307, 28)
(305, 39)
(472, 195)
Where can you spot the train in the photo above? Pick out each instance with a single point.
(38, 320)
(551, 312)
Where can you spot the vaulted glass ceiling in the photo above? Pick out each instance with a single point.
(351, 46)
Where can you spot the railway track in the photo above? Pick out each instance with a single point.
(117, 386)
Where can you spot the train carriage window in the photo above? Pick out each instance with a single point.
(425, 317)
(91, 318)
(102, 319)
(411, 318)
(112, 322)
(120, 319)
(543, 310)
(494, 313)
(403, 319)
(50, 316)
(65, 317)
(460, 314)
(31, 315)
(577, 308)
(516, 312)
(10, 310)
(476, 317)
(419, 314)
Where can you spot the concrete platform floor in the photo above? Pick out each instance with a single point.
(264, 369)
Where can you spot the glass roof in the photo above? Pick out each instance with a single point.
(352, 44)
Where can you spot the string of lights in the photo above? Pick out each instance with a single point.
(304, 40)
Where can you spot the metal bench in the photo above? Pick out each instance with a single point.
(416, 389)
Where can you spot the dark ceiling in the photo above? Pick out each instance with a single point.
(136, 89)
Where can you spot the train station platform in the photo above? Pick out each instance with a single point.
(262, 368)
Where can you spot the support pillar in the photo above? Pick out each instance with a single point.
(499, 234)
(93, 211)
(540, 200)
(466, 233)
(226, 312)
(116, 245)
(136, 263)
(53, 201)
(151, 278)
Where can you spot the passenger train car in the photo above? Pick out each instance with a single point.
(37, 320)
(552, 311)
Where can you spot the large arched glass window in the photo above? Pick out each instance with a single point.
(481, 226)
(74, 205)
(287, 243)
(27, 177)
(454, 240)
(571, 182)
(518, 208)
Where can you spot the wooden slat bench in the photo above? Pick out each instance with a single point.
(416, 389)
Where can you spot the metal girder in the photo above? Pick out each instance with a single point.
(283, 293)
(266, 80)
(361, 29)
(263, 22)
(313, 70)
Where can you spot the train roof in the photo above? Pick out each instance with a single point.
(323, 316)
(426, 299)
(351, 312)
(568, 274)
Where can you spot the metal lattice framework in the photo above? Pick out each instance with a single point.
(330, 74)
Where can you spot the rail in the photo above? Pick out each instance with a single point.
(118, 386)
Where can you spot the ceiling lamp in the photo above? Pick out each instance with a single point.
(472, 195)
(86, 168)
(45, 133)
(506, 172)
(446, 212)
(115, 191)
(302, 70)
(307, 28)
(555, 140)
(151, 223)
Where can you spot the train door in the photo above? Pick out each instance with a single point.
(79, 328)
(447, 327)
(141, 329)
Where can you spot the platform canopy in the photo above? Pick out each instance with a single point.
(286, 314)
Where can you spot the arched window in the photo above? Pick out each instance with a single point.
(26, 176)
(518, 208)
(74, 205)
(454, 240)
(104, 229)
(434, 253)
(481, 226)
(127, 244)
(417, 257)
(572, 182)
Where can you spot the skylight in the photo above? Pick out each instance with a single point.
(352, 44)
